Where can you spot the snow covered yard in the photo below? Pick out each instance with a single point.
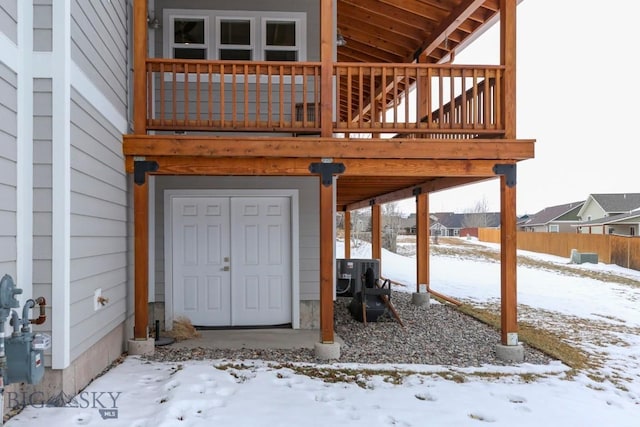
(592, 307)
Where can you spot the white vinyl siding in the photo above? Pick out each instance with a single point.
(309, 233)
(99, 225)
(99, 46)
(42, 26)
(9, 19)
(42, 179)
(8, 170)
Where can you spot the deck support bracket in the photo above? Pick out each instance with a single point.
(326, 171)
(140, 169)
(508, 170)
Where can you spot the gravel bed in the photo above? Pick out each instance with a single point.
(434, 335)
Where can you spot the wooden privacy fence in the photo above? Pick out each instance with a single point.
(620, 250)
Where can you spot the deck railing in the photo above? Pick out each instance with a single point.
(413, 100)
(232, 96)
(419, 99)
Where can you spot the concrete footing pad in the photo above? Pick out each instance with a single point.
(141, 347)
(420, 299)
(510, 353)
(327, 351)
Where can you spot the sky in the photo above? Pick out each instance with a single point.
(576, 96)
(137, 393)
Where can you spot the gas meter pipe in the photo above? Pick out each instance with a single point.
(28, 305)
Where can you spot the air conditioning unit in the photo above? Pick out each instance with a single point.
(350, 274)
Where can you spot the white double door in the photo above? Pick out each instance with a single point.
(232, 260)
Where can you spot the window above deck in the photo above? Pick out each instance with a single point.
(234, 35)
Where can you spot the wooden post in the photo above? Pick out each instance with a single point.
(508, 59)
(326, 67)
(141, 260)
(326, 263)
(376, 243)
(508, 263)
(422, 240)
(421, 92)
(140, 191)
(347, 234)
(140, 34)
(508, 253)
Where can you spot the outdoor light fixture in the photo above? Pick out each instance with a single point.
(340, 40)
(153, 23)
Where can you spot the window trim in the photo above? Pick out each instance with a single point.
(217, 33)
(258, 29)
(298, 34)
(169, 40)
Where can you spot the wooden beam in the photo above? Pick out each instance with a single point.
(300, 167)
(326, 263)
(378, 38)
(430, 186)
(376, 233)
(508, 59)
(422, 168)
(458, 15)
(228, 166)
(141, 260)
(363, 17)
(380, 14)
(140, 50)
(508, 263)
(422, 240)
(356, 52)
(343, 148)
(347, 234)
(326, 67)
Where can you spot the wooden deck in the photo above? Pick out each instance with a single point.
(407, 126)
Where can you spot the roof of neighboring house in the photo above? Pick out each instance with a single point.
(457, 220)
(620, 202)
(554, 213)
(447, 219)
(611, 219)
(411, 220)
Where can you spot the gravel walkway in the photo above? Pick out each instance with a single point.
(434, 335)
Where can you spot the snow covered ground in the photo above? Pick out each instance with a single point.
(600, 314)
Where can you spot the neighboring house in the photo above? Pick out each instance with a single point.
(186, 158)
(622, 225)
(598, 207)
(455, 224)
(553, 219)
(409, 224)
